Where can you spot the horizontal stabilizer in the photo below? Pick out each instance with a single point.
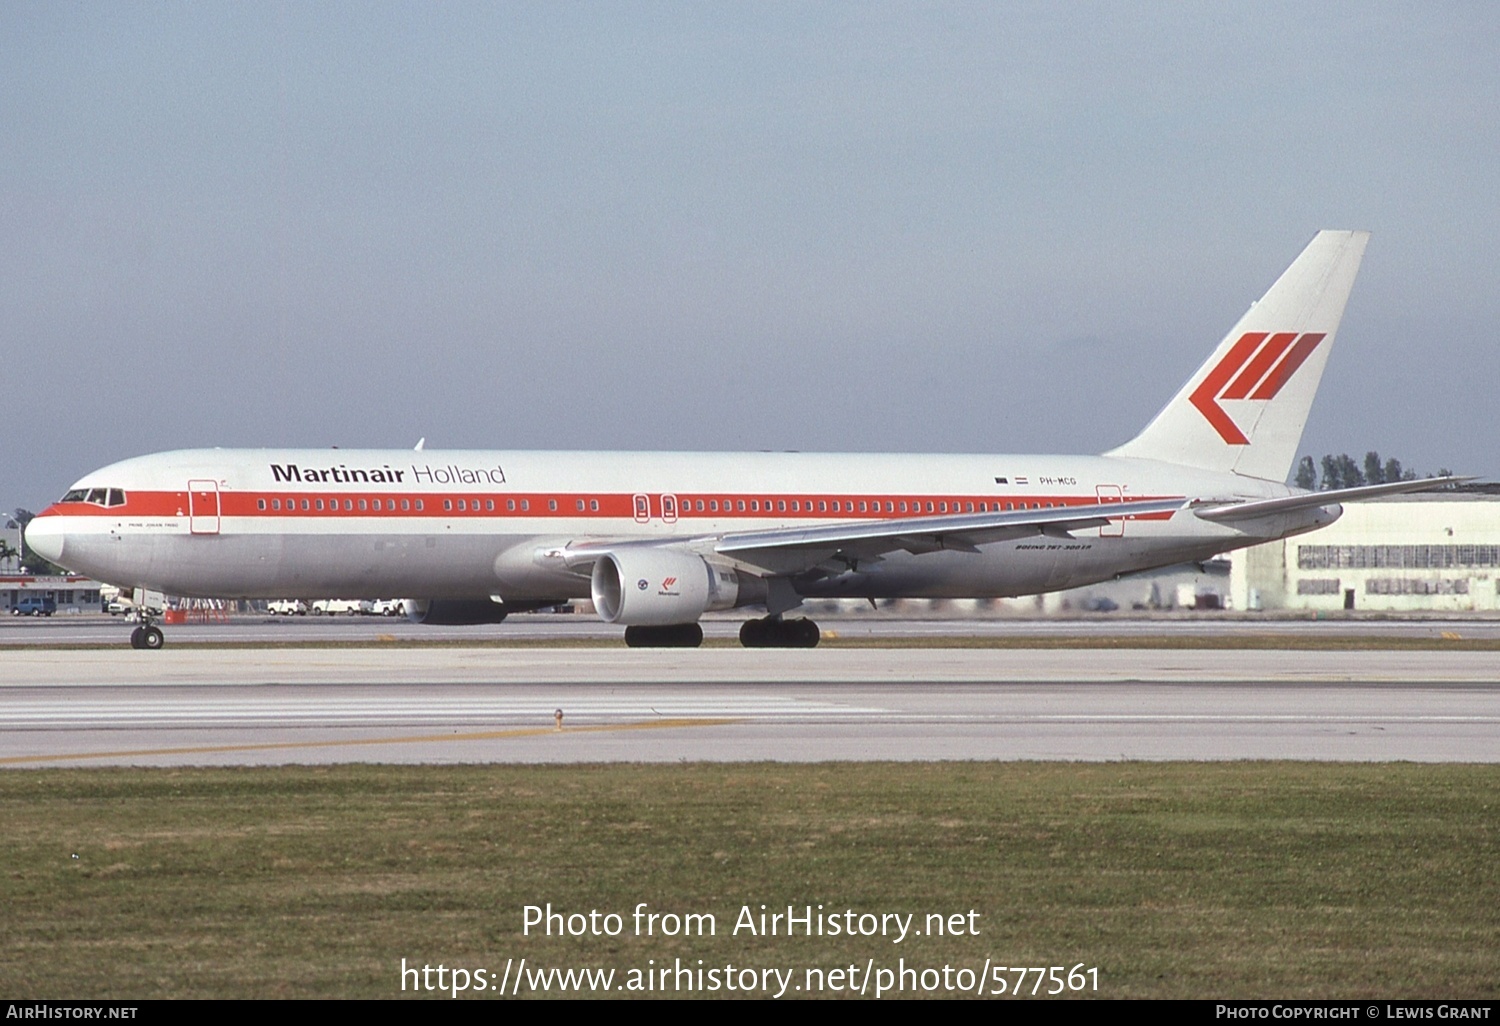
(1311, 500)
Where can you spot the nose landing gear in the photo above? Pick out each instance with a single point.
(147, 635)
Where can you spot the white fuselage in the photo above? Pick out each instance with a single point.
(268, 523)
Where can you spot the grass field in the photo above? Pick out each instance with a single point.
(1174, 880)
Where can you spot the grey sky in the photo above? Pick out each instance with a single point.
(987, 227)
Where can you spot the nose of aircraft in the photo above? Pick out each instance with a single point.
(44, 536)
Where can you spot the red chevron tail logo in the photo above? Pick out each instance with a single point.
(1256, 367)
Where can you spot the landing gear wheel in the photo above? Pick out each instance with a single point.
(774, 632)
(677, 635)
(147, 637)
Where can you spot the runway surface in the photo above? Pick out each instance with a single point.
(105, 631)
(185, 706)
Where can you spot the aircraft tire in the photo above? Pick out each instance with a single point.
(804, 632)
(677, 635)
(755, 633)
(769, 632)
(136, 637)
(152, 638)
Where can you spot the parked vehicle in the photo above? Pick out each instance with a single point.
(286, 607)
(333, 607)
(34, 605)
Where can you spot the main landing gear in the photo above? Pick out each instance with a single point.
(774, 632)
(766, 632)
(677, 635)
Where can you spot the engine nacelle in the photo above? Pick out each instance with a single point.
(466, 612)
(659, 586)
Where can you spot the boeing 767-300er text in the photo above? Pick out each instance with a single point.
(658, 539)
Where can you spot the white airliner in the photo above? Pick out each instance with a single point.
(658, 539)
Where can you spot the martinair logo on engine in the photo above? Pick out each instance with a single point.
(669, 587)
(1256, 367)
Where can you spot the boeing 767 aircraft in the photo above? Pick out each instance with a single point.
(657, 539)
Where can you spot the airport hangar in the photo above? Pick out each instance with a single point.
(1426, 552)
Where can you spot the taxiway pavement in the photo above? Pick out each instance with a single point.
(195, 706)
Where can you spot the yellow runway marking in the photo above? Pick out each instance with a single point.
(487, 735)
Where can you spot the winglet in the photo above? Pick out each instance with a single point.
(1244, 409)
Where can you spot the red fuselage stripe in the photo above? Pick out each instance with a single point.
(571, 505)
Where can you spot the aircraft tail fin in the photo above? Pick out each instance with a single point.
(1244, 410)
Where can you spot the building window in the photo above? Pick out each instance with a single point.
(1396, 557)
(1416, 586)
(1318, 586)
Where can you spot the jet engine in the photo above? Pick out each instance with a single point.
(661, 586)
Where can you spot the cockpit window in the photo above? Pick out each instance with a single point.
(98, 496)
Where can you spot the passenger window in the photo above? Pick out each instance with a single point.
(489, 505)
(593, 505)
(419, 505)
(362, 505)
(405, 505)
(741, 505)
(510, 505)
(525, 505)
(552, 505)
(260, 503)
(320, 505)
(447, 504)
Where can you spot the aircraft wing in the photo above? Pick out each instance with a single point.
(786, 551)
(1231, 511)
(793, 550)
